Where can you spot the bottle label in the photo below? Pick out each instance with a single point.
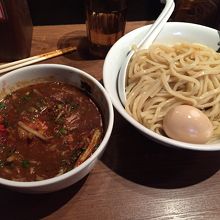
(3, 15)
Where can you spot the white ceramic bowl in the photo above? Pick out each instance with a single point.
(173, 32)
(77, 78)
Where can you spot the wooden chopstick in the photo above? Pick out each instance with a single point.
(30, 60)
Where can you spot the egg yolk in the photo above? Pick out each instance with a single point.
(188, 124)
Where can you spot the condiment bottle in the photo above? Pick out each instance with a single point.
(15, 30)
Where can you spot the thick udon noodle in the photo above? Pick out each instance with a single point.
(163, 76)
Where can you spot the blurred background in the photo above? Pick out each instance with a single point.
(52, 12)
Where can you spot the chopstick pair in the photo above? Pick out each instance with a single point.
(30, 60)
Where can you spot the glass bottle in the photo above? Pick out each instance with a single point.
(15, 30)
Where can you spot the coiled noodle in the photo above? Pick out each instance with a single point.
(163, 76)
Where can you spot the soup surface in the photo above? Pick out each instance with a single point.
(46, 129)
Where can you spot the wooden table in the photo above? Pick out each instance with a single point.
(135, 179)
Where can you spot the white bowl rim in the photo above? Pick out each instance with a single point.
(56, 179)
(157, 137)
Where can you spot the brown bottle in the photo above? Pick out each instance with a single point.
(15, 30)
(204, 12)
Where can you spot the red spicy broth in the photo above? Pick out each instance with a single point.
(46, 129)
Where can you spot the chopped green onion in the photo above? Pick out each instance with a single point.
(41, 104)
(25, 163)
(26, 97)
(2, 105)
(76, 153)
(1, 163)
(63, 131)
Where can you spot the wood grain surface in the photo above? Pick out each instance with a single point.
(135, 179)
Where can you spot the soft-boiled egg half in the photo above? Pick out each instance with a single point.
(187, 123)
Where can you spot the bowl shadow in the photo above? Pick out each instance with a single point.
(145, 162)
(15, 205)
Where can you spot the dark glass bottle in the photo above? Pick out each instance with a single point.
(204, 12)
(15, 30)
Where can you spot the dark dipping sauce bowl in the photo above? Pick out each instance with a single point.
(12, 82)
